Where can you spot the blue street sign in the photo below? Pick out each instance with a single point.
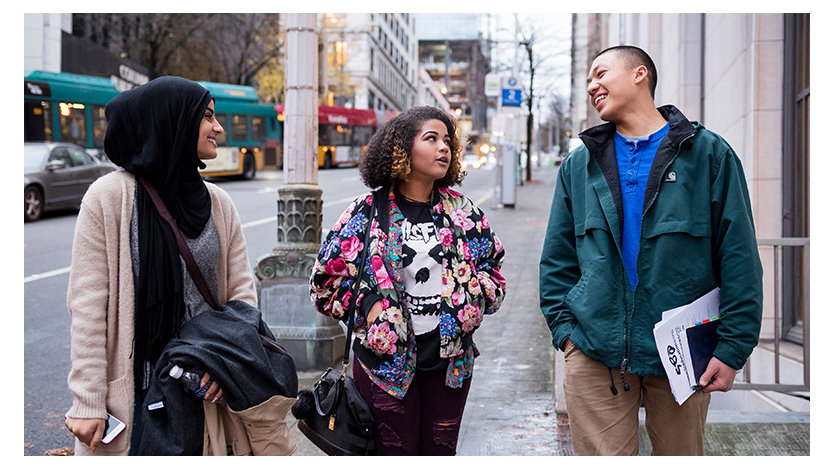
(511, 96)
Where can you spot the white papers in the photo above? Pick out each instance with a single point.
(670, 337)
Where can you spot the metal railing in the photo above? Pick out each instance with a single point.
(746, 382)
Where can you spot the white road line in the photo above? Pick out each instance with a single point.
(267, 220)
(341, 201)
(54, 272)
(483, 199)
(254, 223)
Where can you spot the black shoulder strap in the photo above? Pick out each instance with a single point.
(190, 263)
(380, 203)
(354, 300)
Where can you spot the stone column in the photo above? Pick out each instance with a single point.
(313, 340)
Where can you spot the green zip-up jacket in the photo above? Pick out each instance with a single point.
(697, 234)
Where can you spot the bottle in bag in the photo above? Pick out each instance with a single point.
(190, 380)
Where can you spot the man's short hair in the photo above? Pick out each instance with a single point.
(636, 57)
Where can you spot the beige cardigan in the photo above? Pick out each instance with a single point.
(100, 298)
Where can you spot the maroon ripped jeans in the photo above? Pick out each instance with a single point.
(424, 422)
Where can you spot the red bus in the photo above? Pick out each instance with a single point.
(343, 133)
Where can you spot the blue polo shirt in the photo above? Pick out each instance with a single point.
(634, 161)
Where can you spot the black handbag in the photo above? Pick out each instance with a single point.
(341, 422)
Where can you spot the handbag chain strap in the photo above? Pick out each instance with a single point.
(190, 262)
(376, 199)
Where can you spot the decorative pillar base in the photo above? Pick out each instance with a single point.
(313, 340)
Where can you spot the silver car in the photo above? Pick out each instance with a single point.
(56, 175)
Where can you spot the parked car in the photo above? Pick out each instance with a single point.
(56, 175)
(472, 160)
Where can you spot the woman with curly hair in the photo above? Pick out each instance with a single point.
(432, 273)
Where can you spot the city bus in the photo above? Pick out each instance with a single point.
(343, 134)
(252, 136)
(64, 107)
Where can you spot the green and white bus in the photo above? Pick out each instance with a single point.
(64, 107)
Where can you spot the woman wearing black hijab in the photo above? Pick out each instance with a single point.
(128, 291)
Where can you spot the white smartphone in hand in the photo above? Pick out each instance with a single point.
(112, 428)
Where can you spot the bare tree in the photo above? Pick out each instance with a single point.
(151, 39)
(527, 44)
(557, 121)
(539, 64)
(164, 35)
(228, 48)
(545, 47)
(241, 44)
(270, 81)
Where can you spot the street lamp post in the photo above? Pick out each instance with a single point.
(313, 340)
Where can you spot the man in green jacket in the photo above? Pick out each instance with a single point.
(649, 214)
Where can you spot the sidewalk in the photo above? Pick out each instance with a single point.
(512, 409)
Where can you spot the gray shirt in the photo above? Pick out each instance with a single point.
(206, 251)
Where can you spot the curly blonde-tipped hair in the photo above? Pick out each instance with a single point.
(387, 158)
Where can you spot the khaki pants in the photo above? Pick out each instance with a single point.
(602, 423)
(259, 430)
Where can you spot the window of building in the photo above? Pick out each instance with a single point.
(338, 55)
(795, 165)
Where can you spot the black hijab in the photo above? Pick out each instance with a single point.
(152, 132)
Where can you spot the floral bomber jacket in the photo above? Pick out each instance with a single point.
(472, 286)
